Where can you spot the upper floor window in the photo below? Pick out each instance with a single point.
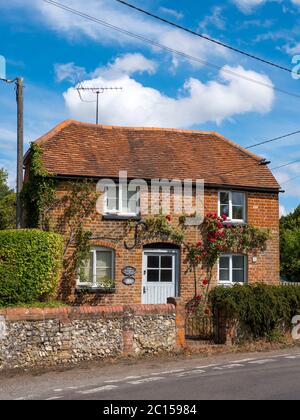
(233, 204)
(232, 269)
(98, 270)
(120, 200)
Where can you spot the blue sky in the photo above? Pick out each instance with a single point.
(54, 50)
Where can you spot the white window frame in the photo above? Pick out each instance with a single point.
(94, 283)
(120, 211)
(230, 219)
(230, 282)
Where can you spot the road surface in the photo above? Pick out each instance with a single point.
(271, 375)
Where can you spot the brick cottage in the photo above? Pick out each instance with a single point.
(237, 183)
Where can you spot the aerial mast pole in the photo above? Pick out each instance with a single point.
(97, 91)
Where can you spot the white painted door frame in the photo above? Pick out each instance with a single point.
(158, 291)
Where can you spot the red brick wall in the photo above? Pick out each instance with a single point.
(262, 211)
(83, 312)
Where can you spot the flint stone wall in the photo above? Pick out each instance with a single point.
(36, 338)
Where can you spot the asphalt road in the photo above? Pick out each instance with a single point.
(271, 376)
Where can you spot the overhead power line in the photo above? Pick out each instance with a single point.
(286, 164)
(261, 162)
(169, 49)
(274, 139)
(291, 179)
(207, 38)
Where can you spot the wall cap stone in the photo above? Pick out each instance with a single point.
(84, 311)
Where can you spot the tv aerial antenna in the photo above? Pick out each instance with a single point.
(96, 91)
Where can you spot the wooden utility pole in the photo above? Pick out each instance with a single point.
(19, 82)
(20, 146)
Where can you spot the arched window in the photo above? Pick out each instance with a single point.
(98, 271)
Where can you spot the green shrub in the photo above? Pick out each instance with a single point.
(30, 264)
(262, 308)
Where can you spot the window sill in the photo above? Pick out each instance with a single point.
(90, 289)
(121, 217)
(224, 284)
(234, 222)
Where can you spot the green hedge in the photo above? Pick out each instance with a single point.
(30, 264)
(260, 307)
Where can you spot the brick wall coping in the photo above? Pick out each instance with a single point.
(83, 312)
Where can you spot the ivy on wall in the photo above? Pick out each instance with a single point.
(78, 204)
(159, 227)
(38, 193)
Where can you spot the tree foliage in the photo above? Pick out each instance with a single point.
(7, 203)
(290, 246)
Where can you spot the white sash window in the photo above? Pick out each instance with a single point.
(232, 269)
(98, 270)
(233, 204)
(121, 201)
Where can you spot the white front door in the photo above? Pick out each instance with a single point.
(160, 274)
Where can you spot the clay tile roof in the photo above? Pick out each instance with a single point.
(80, 149)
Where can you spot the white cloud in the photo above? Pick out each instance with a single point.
(10, 166)
(74, 27)
(197, 102)
(7, 135)
(215, 19)
(292, 50)
(69, 72)
(174, 13)
(190, 45)
(126, 64)
(288, 179)
(282, 210)
(260, 23)
(246, 6)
